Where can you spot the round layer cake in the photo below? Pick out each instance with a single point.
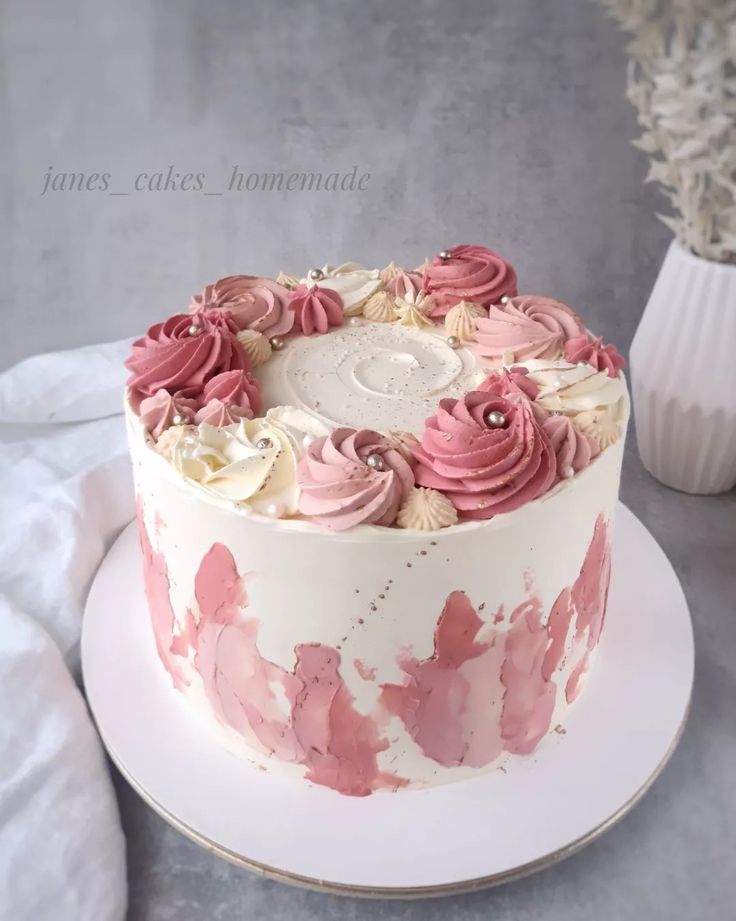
(375, 510)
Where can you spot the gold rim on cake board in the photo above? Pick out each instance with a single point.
(402, 892)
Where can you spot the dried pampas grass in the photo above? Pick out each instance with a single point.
(682, 80)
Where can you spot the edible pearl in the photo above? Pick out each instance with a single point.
(568, 472)
(496, 419)
(375, 462)
(263, 443)
(557, 383)
(354, 321)
(316, 274)
(194, 330)
(505, 299)
(276, 343)
(582, 364)
(445, 255)
(453, 342)
(307, 440)
(177, 420)
(273, 510)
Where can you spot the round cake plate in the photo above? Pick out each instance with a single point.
(499, 826)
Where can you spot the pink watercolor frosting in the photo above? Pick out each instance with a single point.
(574, 449)
(183, 353)
(339, 488)
(526, 327)
(228, 397)
(157, 413)
(255, 303)
(489, 686)
(316, 309)
(472, 273)
(593, 352)
(485, 469)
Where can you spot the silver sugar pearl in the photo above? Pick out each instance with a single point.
(557, 383)
(445, 255)
(194, 329)
(273, 510)
(354, 321)
(276, 343)
(505, 299)
(315, 275)
(453, 342)
(495, 419)
(375, 462)
(568, 472)
(178, 419)
(263, 443)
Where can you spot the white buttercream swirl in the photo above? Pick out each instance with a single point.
(353, 282)
(426, 510)
(251, 462)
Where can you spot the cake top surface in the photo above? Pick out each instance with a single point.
(410, 398)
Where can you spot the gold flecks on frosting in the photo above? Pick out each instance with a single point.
(460, 320)
(390, 272)
(426, 510)
(288, 281)
(600, 425)
(256, 346)
(403, 442)
(413, 312)
(379, 308)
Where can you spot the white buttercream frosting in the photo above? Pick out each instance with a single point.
(352, 281)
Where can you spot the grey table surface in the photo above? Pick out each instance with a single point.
(502, 123)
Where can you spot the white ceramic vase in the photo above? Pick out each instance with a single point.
(683, 371)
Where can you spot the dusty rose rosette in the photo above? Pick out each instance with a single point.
(486, 453)
(229, 397)
(340, 488)
(316, 309)
(472, 273)
(593, 352)
(254, 302)
(574, 449)
(183, 353)
(528, 326)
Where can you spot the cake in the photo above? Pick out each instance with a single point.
(375, 510)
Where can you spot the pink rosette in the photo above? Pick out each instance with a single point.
(316, 309)
(406, 285)
(574, 450)
(157, 413)
(526, 327)
(601, 357)
(510, 383)
(183, 353)
(472, 273)
(485, 468)
(230, 396)
(340, 488)
(254, 302)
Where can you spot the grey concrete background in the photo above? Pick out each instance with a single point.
(501, 123)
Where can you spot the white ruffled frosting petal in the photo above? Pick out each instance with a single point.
(426, 510)
(353, 282)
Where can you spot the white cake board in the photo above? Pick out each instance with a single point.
(434, 841)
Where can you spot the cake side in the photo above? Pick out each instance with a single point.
(385, 657)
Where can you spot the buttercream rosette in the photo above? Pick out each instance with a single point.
(339, 487)
(484, 468)
(183, 353)
(470, 273)
(252, 301)
(525, 327)
(316, 309)
(592, 351)
(162, 410)
(574, 449)
(229, 397)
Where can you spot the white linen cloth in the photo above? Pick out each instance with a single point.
(65, 495)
